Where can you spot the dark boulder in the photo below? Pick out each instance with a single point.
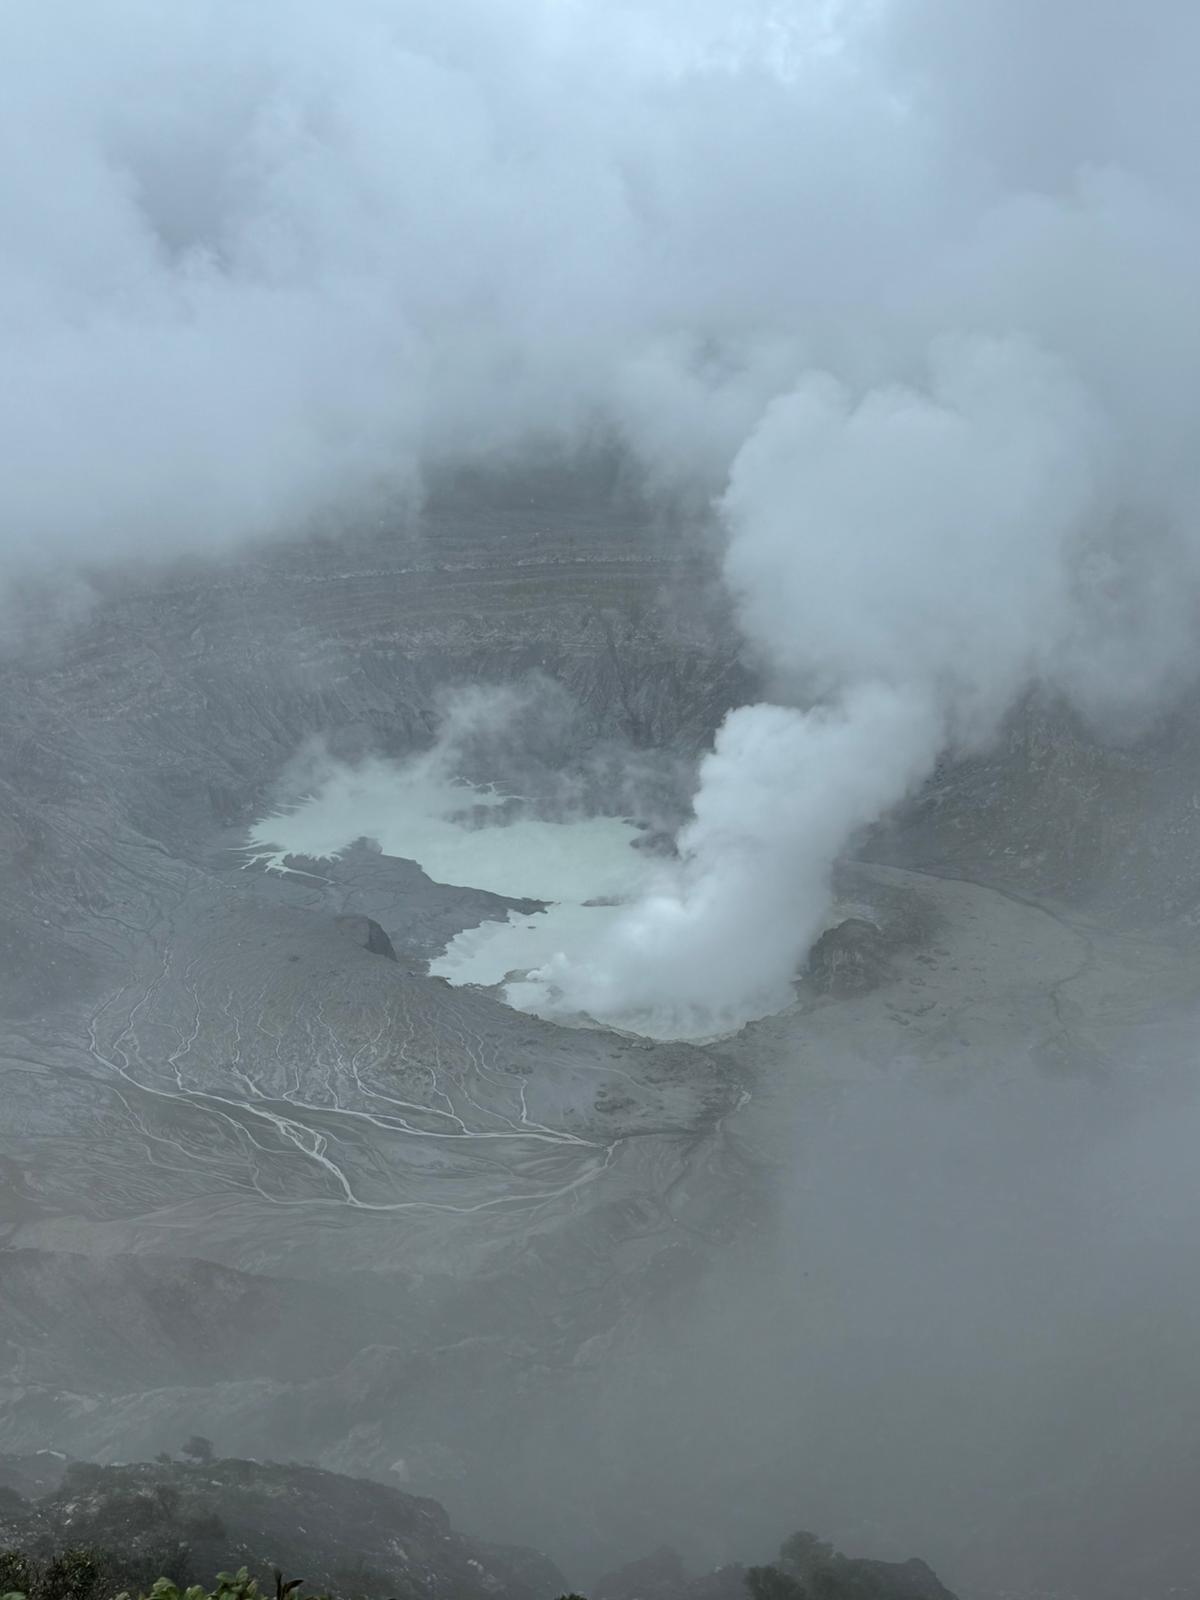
(849, 959)
(903, 1580)
(810, 1569)
(365, 931)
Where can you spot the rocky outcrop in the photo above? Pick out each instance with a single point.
(900, 1580)
(187, 1520)
(821, 1573)
(28, 1477)
(849, 959)
(341, 1534)
(367, 933)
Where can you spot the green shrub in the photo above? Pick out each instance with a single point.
(90, 1575)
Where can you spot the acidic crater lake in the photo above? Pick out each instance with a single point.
(587, 870)
(584, 868)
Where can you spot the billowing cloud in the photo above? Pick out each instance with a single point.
(906, 284)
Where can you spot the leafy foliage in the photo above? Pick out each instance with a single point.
(72, 1575)
(230, 1586)
(86, 1575)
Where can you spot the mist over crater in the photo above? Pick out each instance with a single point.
(471, 1233)
(599, 840)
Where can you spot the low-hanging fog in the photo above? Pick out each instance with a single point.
(972, 1334)
(893, 301)
(1027, 1289)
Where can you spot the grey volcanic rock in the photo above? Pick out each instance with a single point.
(31, 1476)
(851, 958)
(913, 1579)
(336, 1532)
(1050, 809)
(658, 1576)
(366, 933)
(22, 1524)
(190, 1519)
(662, 1576)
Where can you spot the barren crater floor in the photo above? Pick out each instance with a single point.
(449, 1233)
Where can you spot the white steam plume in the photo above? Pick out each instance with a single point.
(910, 562)
(914, 278)
(718, 940)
